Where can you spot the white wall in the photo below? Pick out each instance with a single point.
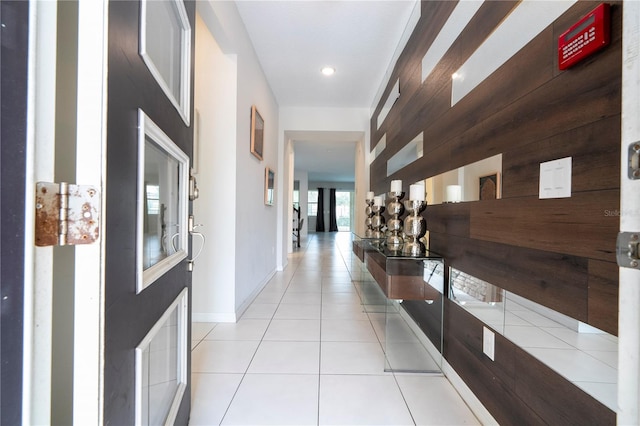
(215, 103)
(242, 230)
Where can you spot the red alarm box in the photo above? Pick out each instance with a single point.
(588, 35)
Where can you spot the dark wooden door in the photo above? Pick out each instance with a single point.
(131, 312)
(15, 29)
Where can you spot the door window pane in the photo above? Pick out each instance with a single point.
(162, 214)
(165, 46)
(161, 365)
(162, 203)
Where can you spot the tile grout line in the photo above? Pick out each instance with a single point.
(260, 342)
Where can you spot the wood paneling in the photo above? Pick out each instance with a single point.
(515, 387)
(556, 400)
(559, 253)
(358, 250)
(428, 317)
(376, 265)
(577, 226)
(594, 149)
(399, 278)
(450, 219)
(555, 280)
(603, 296)
(492, 382)
(503, 112)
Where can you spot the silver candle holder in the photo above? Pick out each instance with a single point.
(377, 221)
(415, 227)
(394, 225)
(369, 221)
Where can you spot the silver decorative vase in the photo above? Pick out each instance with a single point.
(368, 221)
(377, 222)
(415, 227)
(394, 226)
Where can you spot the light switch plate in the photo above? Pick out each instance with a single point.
(555, 178)
(488, 343)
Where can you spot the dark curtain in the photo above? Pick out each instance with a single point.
(320, 216)
(333, 224)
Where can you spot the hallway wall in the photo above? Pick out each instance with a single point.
(215, 105)
(557, 252)
(238, 224)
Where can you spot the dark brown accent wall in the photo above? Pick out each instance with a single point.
(516, 388)
(557, 252)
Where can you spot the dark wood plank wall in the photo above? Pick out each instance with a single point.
(531, 112)
(516, 388)
(559, 252)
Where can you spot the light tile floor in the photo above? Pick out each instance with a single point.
(305, 353)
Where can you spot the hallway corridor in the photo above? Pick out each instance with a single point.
(305, 353)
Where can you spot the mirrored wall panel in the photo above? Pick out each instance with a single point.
(380, 146)
(165, 46)
(388, 104)
(407, 155)
(162, 207)
(161, 367)
(582, 354)
(476, 181)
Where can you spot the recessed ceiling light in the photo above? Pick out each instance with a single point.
(328, 70)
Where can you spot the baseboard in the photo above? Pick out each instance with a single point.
(283, 266)
(249, 300)
(231, 316)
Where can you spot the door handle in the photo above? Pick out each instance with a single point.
(194, 233)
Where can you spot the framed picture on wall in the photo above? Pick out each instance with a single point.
(257, 133)
(490, 187)
(269, 186)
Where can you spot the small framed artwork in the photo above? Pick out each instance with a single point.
(269, 186)
(257, 133)
(490, 187)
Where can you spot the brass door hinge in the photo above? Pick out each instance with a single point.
(66, 214)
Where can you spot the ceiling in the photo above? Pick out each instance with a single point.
(295, 39)
(326, 156)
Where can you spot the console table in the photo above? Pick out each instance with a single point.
(391, 281)
(399, 276)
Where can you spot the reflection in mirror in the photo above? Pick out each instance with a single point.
(380, 146)
(407, 155)
(582, 354)
(388, 104)
(434, 274)
(161, 174)
(473, 182)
